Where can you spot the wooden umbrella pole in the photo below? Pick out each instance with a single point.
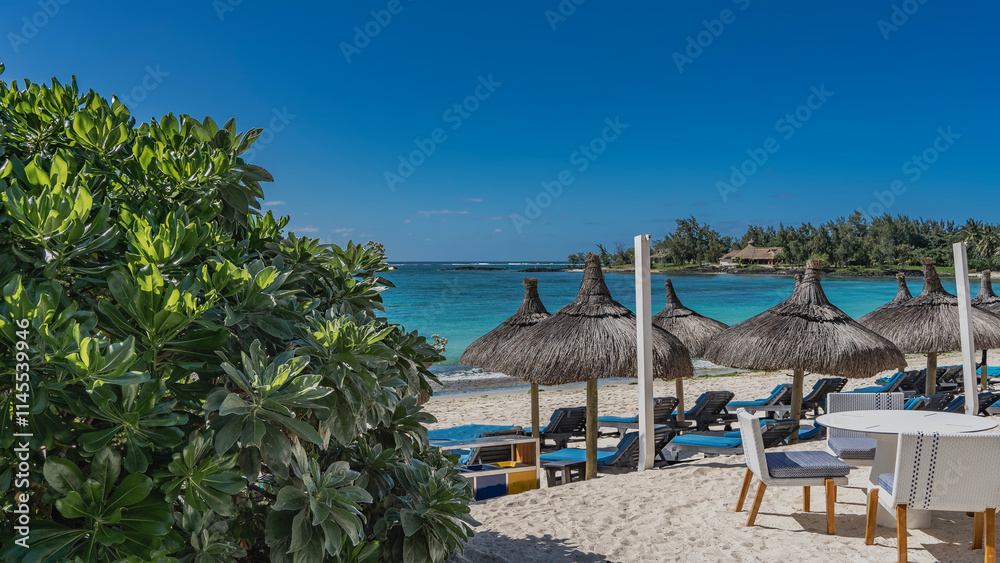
(679, 386)
(591, 429)
(984, 378)
(930, 387)
(534, 411)
(797, 378)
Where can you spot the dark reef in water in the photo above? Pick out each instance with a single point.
(488, 269)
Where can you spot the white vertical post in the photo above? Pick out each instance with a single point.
(644, 351)
(965, 327)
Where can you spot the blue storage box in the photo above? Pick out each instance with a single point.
(488, 486)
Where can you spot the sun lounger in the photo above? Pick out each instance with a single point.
(565, 423)
(710, 408)
(469, 431)
(663, 414)
(779, 400)
(816, 399)
(901, 382)
(950, 379)
(465, 431)
(929, 403)
(624, 457)
(986, 402)
(773, 433)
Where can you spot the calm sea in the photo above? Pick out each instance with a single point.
(464, 305)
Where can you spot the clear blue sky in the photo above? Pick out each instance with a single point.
(893, 87)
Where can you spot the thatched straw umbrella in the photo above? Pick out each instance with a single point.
(805, 333)
(928, 324)
(902, 294)
(486, 347)
(987, 301)
(592, 337)
(692, 329)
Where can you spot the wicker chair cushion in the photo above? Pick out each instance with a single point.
(802, 465)
(852, 448)
(886, 480)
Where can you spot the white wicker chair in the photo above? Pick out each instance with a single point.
(951, 472)
(854, 447)
(791, 469)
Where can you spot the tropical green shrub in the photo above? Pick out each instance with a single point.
(200, 385)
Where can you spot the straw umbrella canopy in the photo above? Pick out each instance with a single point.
(805, 333)
(692, 329)
(592, 337)
(928, 324)
(987, 301)
(485, 348)
(902, 294)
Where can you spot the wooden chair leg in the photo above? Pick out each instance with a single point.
(756, 503)
(743, 489)
(991, 541)
(870, 517)
(977, 533)
(901, 533)
(831, 503)
(805, 499)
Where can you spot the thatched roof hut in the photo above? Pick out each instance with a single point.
(902, 294)
(805, 333)
(530, 313)
(929, 323)
(592, 337)
(986, 299)
(692, 329)
(486, 347)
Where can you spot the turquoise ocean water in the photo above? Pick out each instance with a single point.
(464, 305)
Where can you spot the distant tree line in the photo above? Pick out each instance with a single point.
(843, 242)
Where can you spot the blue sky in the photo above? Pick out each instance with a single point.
(632, 115)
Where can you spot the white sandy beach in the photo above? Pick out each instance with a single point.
(683, 512)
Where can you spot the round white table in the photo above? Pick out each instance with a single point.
(885, 426)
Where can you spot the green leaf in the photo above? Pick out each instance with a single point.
(131, 490)
(72, 506)
(290, 498)
(411, 521)
(63, 475)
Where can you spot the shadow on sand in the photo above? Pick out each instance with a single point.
(490, 547)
